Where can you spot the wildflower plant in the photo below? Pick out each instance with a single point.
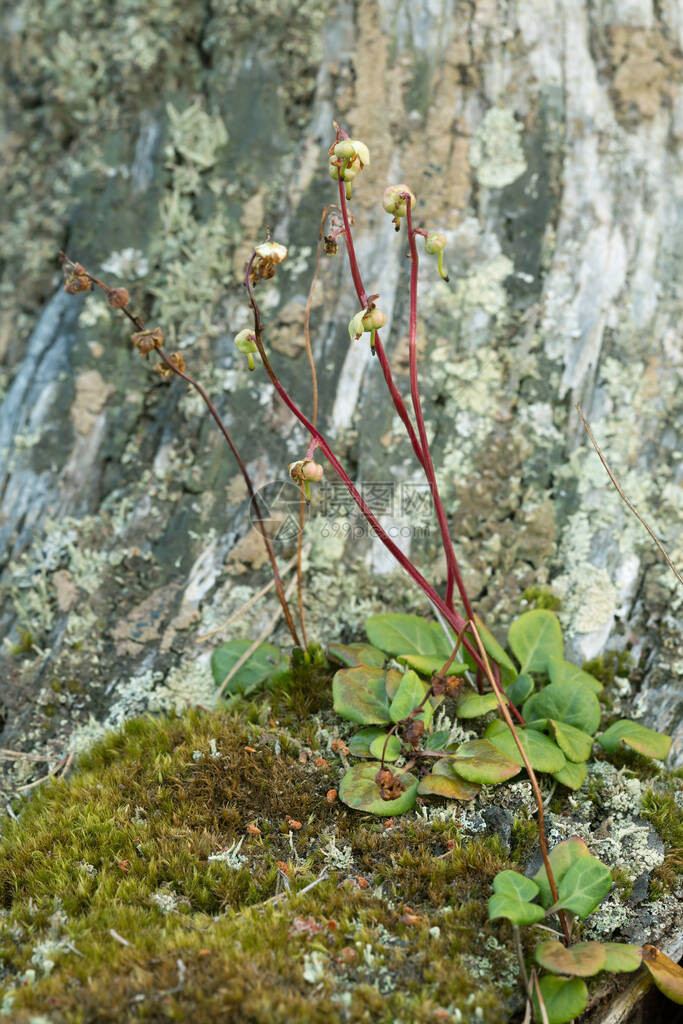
(391, 687)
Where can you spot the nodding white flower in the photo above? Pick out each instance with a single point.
(245, 342)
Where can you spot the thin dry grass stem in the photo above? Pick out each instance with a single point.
(256, 644)
(247, 605)
(539, 996)
(18, 755)
(502, 705)
(629, 503)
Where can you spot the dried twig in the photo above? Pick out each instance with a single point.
(630, 504)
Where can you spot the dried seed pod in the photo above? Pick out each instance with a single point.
(76, 278)
(118, 297)
(178, 361)
(146, 341)
(413, 732)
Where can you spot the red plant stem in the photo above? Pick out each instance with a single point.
(451, 561)
(399, 404)
(452, 618)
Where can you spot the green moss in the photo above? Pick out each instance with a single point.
(523, 840)
(538, 597)
(24, 644)
(122, 851)
(661, 809)
(623, 882)
(608, 665)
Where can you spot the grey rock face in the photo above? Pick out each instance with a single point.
(533, 135)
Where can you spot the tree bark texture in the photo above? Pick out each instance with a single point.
(156, 143)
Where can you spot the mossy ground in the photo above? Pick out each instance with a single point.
(113, 910)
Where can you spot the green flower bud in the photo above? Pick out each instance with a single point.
(435, 243)
(304, 472)
(394, 202)
(245, 342)
(368, 321)
(345, 150)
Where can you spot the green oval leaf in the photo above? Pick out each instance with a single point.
(481, 761)
(543, 754)
(512, 895)
(472, 705)
(572, 775)
(621, 956)
(638, 737)
(448, 785)
(667, 975)
(561, 858)
(359, 790)
(360, 696)
(584, 886)
(356, 654)
(392, 750)
(407, 634)
(583, 959)
(512, 883)
(563, 1000)
(427, 665)
(410, 694)
(574, 744)
(573, 705)
(534, 638)
(561, 671)
(264, 662)
(392, 681)
(359, 745)
(522, 688)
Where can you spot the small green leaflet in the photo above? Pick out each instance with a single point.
(638, 737)
(584, 886)
(543, 754)
(513, 893)
(409, 695)
(266, 661)
(561, 858)
(564, 1000)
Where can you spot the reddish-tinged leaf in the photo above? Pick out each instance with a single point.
(668, 975)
